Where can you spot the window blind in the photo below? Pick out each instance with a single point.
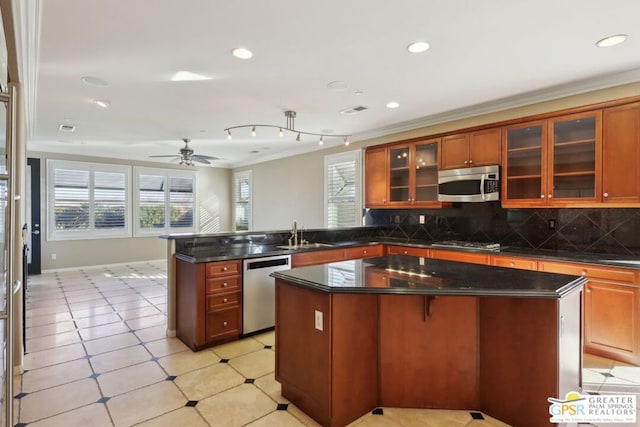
(242, 195)
(342, 191)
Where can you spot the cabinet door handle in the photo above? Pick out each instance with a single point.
(542, 196)
(550, 196)
(466, 162)
(224, 300)
(588, 290)
(606, 194)
(364, 252)
(470, 162)
(224, 323)
(584, 272)
(512, 264)
(225, 284)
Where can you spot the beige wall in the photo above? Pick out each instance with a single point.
(292, 188)
(213, 193)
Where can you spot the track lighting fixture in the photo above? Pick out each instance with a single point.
(290, 116)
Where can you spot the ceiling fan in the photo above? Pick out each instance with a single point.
(186, 156)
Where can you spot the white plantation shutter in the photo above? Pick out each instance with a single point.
(343, 189)
(87, 200)
(242, 200)
(165, 201)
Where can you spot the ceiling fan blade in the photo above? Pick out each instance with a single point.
(200, 160)
(204, 157)
(167, 155)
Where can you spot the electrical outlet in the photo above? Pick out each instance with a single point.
(421, 219)
(319, 321)
(53, 257)
(552, 224)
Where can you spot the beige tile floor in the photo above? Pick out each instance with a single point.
(97, 355)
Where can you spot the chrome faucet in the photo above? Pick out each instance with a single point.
(294, 235)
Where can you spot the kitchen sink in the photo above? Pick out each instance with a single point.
(306, 245)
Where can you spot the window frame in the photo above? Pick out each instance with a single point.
(346, 156)
(167, 174)
(236, 178)
(92, 232)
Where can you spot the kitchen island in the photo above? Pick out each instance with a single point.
(403, 331)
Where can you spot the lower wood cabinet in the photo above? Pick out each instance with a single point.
(334, 255)
(343, 381)
(428, 356)
(470, 257)
(208, 302)
(407, 250)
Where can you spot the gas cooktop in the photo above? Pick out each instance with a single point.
(467, 245)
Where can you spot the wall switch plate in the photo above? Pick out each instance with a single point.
(421, 219)
(552, 224)
(53, 257)
(319, 321)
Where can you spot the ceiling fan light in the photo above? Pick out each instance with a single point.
(298, 138)
(281, 133)
(346, 141)
(321, 142)
(253, 131)
(229, 136)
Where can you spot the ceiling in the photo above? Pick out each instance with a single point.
(483, 55)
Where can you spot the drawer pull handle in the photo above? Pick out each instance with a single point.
(225, 284)
(588, 291)
(584, 272)
(512, 264)
(406, 252)
(224, 300)
(224, 268)
(364, 252)
(224, 323)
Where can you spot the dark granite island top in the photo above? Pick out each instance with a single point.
(409, 275)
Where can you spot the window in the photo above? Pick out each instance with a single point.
(342, 180)
(165, 201)
(242, 200)
(87, 200)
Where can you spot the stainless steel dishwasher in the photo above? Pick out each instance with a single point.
(258, 292)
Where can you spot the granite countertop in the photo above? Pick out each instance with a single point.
(208, 254)
(401, 274)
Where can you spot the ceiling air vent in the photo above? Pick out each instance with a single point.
(353, 110)
(67, 128)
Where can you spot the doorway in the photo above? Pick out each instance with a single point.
(33, 234)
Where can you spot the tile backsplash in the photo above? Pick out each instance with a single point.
(607, 230)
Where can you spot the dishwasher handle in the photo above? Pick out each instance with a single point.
(255, 265)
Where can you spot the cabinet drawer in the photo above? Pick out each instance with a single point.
(217, 301)
(472, 258)
(406, 250)
(223, 284)
(613, 274)
(363, 252)
(223, 268)
(223, 322)
(514, 262)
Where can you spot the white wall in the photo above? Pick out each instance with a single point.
(214, 213)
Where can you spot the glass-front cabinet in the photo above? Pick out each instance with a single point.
(413, 174)
(555, 161)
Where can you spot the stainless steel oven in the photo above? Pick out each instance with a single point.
(481, 184)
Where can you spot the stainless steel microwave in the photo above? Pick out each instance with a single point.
(481, 184)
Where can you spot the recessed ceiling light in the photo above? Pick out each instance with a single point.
(611, 40)
(418, 47)
(94, 81)
(188, 76)
(358, 92)
(392, 104)
(242, 53)
(102, 103)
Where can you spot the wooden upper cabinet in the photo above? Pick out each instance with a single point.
(621, 154)
(479, 148)
(555, 162)
(375, 178)
(402, 175)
